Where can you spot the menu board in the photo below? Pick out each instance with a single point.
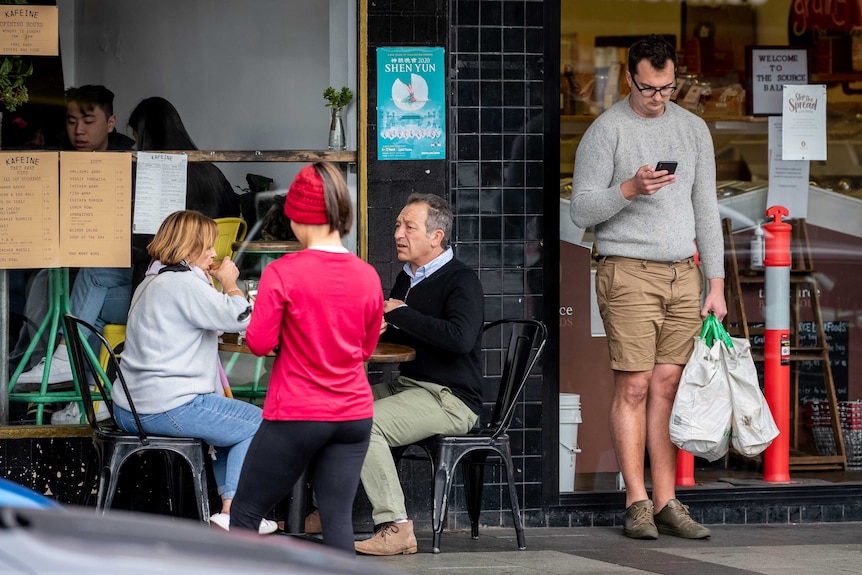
(27, 30)
(811, 384)
(160, 189)
(95, 209)
(29, 210)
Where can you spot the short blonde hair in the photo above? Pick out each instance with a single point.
(182, 235)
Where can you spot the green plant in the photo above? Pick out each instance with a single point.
(13, 73)
(337, 100)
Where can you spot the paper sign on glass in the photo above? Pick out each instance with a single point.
(788, 179)
(411, 104)
(804, 122)
(160, 189)
(29, 210)
(29, 30)
(95, 209)
(768, 69)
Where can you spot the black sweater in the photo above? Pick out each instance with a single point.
(443, 322)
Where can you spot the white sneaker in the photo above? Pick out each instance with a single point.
(61, 370)
(69, 415)
(266, 526)
(223, 520)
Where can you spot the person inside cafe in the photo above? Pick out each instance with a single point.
(322, 308)
(156, 125)
(99, 295)
(170, 361)
(436, 306)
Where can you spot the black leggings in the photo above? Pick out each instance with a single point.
(333, 452)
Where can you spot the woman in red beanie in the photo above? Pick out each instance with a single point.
(322, 308)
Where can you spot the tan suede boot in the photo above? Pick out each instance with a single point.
(391, 539)
(312, 523)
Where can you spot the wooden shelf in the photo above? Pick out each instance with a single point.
(344, 156)
(839, 78)
(845, 79)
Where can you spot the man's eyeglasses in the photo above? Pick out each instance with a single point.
(649, 91)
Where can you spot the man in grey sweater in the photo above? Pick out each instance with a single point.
(650, 224)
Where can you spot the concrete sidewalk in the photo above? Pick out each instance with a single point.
(785, 549)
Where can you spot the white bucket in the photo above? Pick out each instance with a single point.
(570, 417)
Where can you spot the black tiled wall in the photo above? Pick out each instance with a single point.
(492, 177)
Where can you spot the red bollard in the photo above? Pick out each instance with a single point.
(684, 469)
(776, 350)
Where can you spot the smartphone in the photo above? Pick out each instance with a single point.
(669, 166)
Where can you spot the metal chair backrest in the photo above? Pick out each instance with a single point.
(82, 365)
(526, 335)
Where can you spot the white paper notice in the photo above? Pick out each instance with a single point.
(788, 179)
(160, 189)
(804, 118)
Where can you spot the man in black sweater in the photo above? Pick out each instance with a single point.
(437, 308)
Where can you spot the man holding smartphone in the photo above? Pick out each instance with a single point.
(649, 223)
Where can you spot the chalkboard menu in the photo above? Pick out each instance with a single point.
(811, 372)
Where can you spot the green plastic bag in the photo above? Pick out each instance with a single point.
(712, 330)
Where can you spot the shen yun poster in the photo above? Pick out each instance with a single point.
(411, 115)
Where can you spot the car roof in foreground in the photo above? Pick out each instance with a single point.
(78, 541)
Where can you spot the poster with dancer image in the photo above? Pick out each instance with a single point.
(411, 106)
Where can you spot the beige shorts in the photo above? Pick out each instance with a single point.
(651, 310)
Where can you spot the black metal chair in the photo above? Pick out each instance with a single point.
(113, 445)
(472, 450)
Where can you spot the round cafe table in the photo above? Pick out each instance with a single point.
(385, 352)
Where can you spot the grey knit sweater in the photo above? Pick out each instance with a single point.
(171, 353)
(661, 227)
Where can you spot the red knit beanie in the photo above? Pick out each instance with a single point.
(304, 203)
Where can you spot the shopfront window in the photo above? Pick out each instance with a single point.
(248, 83)
(711, 39)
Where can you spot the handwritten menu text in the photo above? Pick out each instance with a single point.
(27, 30)
(29, 210)
(95, 209)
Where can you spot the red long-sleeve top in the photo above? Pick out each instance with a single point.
(323, 309)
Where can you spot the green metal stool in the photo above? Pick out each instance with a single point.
(58, 304)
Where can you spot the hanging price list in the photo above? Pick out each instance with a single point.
(95, 209)
(29, 207)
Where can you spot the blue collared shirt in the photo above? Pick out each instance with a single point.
(425, 271)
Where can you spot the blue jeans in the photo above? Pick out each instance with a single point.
(101, 296)
(226, 424)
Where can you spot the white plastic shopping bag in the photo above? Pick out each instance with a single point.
(753, 425)
(700, 421)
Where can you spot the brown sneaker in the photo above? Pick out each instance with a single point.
(675, 520)
(391, 539)
(312, 523)
(639, 523)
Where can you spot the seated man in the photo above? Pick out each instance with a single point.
(99, 295)
(437, 308)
